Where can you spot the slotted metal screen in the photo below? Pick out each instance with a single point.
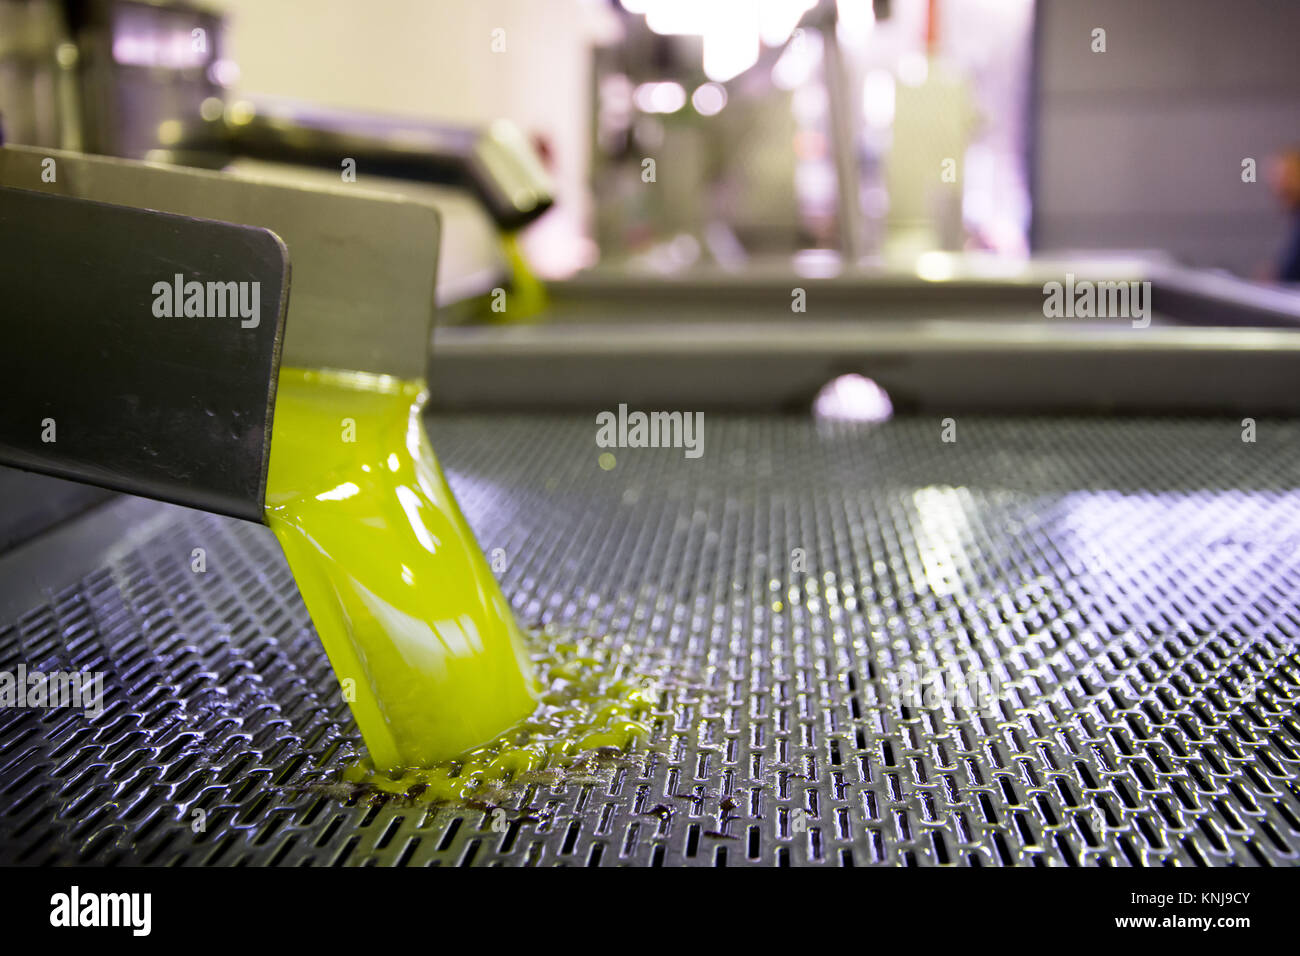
(1123, 592)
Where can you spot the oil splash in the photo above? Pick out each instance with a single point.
(409, 612)
(593, 713)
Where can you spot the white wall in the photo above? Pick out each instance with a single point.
(1141, 146)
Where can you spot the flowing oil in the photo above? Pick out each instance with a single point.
(423, 642)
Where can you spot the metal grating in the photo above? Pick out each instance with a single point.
(1129, 587)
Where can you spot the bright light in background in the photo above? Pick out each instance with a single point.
(778, 18)
(731, 43)
(690, 17)
(666, 97)
(853, 398)
(224, 72)
(732, 30)
(856, 19)
(709, 99)
(173, 51)
(878, 99)
(913, 69)
(797, 62)
(935, 266)
(817, 263)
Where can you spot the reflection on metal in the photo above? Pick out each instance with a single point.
(824, 704)
(963, 339)
(496, 164)
(852, 398)
(948, 366)
(363, 262)
(945, 542)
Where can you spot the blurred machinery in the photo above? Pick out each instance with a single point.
(877, 132)
(147, 80)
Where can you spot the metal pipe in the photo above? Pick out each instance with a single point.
(824, 18)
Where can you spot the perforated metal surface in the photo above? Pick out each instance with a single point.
(1128, 588)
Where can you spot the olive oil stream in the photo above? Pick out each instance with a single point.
(419, 634)
(414, 623)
